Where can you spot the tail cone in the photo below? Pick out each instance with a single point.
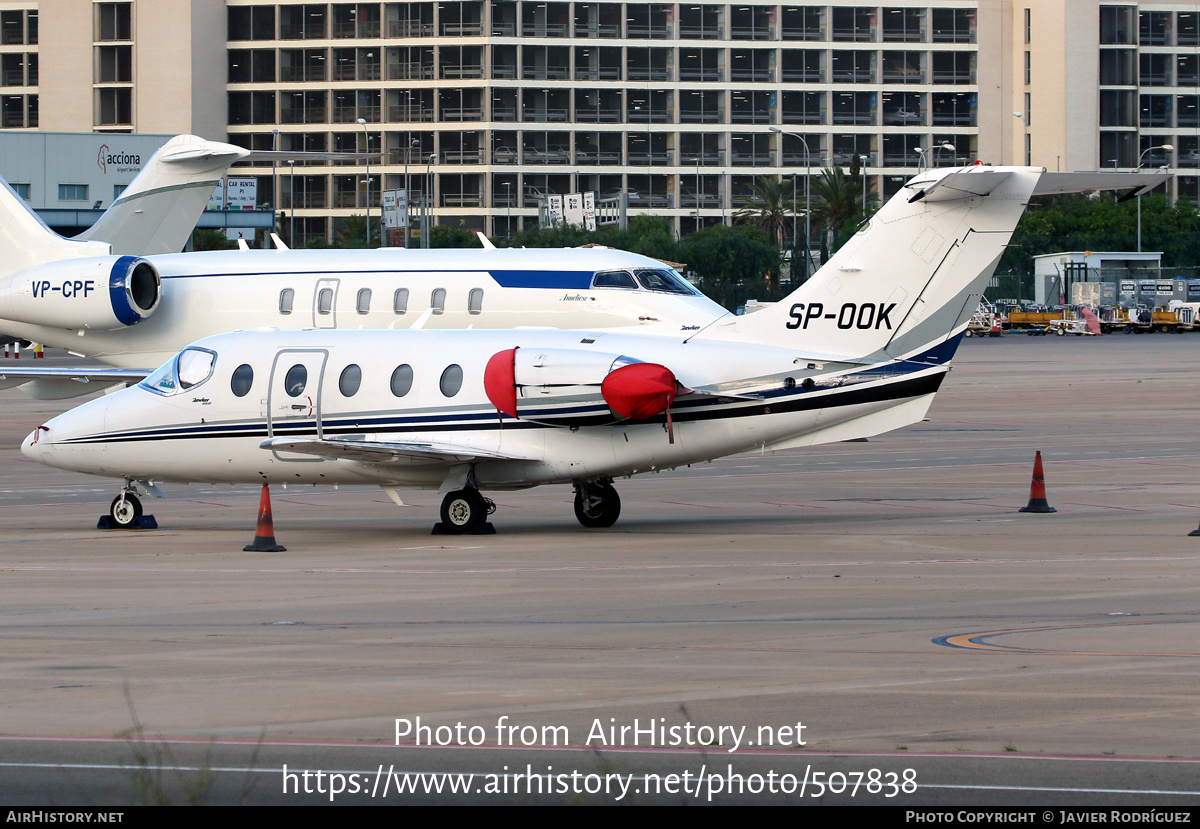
(1037, 490)
(264, 536)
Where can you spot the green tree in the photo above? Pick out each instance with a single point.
(768, 206)
(444, 236)
(840, 208)
(732, 263)
(351, 232)
(205, 239)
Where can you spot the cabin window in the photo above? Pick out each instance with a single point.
(350, 380)
(402, 379)
(325, 301)
(437, 301)
(400, 300)
(243, 379)
(614, 279)
(295, 380)
(451, 381)
(475, 301)
(363, 303)
(286, 297)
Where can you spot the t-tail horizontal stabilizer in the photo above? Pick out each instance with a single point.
(906, 284)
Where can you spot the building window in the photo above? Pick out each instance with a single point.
(72, 192)
(114, 106)
(1028, 26)
(252, 23)
(21, 190)
(114, 64)
(12, 28)
(1116, 24)
(113, 21)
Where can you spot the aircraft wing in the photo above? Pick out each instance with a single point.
(376, 452)
(62, 383)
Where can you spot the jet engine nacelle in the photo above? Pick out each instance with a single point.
(103, 293)
(518, 378)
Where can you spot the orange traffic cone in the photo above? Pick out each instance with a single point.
(264, 536)
(1037, 490)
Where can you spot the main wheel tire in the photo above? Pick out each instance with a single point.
(603, 512)
(463, 510)
(124, 510)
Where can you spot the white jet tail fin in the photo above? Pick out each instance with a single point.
(158, 211)
(905, 286)
(25, 240)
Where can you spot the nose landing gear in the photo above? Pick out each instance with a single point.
(125, 512)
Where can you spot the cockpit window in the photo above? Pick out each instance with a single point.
(186, 370)
(614, 279)
(664, 281)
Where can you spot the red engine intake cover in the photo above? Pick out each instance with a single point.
(640, 390)
(500, 383)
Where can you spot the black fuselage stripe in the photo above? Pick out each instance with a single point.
(913, 387)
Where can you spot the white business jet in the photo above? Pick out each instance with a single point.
(133, 312)
(858, 350)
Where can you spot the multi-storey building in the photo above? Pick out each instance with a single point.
(486, 106)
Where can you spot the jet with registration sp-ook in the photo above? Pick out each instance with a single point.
(858, 350)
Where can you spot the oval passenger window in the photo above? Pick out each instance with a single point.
(451, 381)
(285, 300)
(295, 380)
(350, 380)
(402, 379)
(243, 379)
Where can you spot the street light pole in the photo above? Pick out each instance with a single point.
(292, 203)
(1025, 127)
(274, 185)
(367, 149)
(425, 197)
(1168, 148)
(416, 142)
(807, 198)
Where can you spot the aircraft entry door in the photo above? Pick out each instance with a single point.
(294, 398)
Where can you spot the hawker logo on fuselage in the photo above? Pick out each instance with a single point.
(864, 316)
(69, 288)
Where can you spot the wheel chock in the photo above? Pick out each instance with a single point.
(482, 528)
(142, 522)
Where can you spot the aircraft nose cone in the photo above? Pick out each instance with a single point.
(31, 446)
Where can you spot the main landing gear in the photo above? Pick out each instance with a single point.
(125, 512)
(465, 511)
(597, 504)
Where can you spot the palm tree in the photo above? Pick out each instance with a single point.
(840, 197)
(768, 207)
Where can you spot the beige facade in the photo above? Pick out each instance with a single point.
(681, 105)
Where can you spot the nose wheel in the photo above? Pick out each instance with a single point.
(597, 504)
(124, 510)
